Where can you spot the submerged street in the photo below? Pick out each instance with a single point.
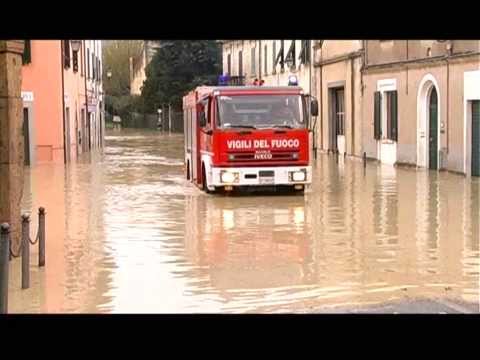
(126, 233)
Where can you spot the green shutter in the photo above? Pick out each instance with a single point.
(377, 116)
(394, 116)
(27, 53)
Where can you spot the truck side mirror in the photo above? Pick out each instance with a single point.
(314, 107)
(203, 119)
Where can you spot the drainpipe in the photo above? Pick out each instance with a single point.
(406, 69)
(63, 104)
(321, 99)
(86, 93)
(259, 60)
(448, 105)
(310, 52)
(352, 96)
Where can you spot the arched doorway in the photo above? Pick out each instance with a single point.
(433, 130)
(428, 118)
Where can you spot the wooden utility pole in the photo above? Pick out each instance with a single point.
(11, 136)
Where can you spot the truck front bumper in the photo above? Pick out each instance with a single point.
(261, 176)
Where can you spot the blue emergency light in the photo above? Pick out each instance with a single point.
(223, 80)
(292, 80)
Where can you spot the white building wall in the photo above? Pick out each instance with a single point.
(95, 93)
(274, 76)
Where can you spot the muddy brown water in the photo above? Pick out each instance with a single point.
(126, 233)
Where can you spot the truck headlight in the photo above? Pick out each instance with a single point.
(298, 175)
(228, 176)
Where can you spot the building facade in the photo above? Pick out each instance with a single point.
(58, 125)
(95, 99)
(421, 103)
(139, 64)
(412, 102)
(270, 60)
(337, 85)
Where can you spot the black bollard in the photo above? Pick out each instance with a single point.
(41, 234)
(4, 251)
(25, 251)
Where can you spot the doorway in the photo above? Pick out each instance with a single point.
(428, 119)
(26, 137)
(476, 138)
(337, 120)
(433, 130)
(67, 134)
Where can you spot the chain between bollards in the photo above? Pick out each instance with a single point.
(4, 262)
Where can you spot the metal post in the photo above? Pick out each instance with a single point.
(364, 159)
(41, 238)
(169, 118)
(4, 251)
(25, 251)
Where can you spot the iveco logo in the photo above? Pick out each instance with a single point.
(263, 155)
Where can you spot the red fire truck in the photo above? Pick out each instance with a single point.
(247, 137)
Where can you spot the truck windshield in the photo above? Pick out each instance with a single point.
(260, 111)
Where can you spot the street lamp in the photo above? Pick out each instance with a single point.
(76, 45)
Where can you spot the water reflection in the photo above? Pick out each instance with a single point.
(126, 233)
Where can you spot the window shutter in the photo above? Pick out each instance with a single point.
(377, 116)
(394, 116)
(66, 53)
(304, 56)
(291, 54)
(280, 57)
(27, 53)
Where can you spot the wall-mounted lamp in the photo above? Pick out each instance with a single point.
(76, 45)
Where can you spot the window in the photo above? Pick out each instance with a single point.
(261, 111)
(66, 53)
(339, 110)
(81, 60)
(290, 58)
(240, 63)
(304, 56)
(93, 66)
(229, 64)
(88, 63)
(390, 109)
(265, 69)
(27, 53)
(75, 61)
(280, 57)
(98, 69)
(252, 62)
(391, 97)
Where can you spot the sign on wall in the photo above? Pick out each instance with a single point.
(27, 96)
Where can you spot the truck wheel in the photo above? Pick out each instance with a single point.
(204, 180)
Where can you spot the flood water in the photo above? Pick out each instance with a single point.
(126, 233)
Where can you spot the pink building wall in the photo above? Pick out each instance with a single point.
(43, 78)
